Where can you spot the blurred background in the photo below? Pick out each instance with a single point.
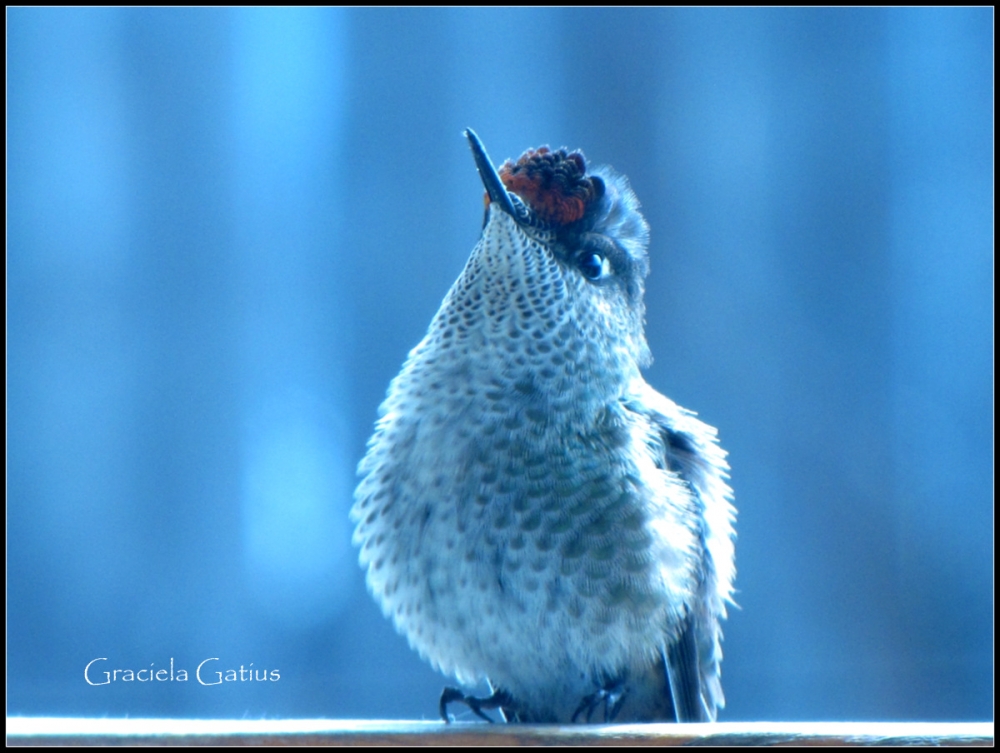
(226, 229)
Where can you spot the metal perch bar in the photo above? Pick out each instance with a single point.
(77, 731)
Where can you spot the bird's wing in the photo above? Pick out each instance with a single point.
(688, 448)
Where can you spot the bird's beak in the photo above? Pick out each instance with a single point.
(495, 190)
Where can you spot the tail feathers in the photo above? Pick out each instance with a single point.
(685, 679)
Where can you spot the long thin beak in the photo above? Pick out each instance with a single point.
(491, 180)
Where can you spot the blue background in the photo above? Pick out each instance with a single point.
(226, 229)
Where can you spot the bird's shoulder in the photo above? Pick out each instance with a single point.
(681, 443)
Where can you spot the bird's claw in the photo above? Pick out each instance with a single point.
(498, 700)
(611, 697)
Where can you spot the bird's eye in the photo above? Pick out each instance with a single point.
(594, 266)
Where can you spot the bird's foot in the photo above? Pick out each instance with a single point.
(611, 696)
(498, 700)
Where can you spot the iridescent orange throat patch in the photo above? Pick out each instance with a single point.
(554, 184)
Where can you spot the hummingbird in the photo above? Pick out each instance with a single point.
(530, 511)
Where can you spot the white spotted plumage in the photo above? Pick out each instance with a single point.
(530, 511)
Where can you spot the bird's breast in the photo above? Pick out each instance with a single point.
(517, 525)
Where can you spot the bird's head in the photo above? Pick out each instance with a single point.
(564, 242)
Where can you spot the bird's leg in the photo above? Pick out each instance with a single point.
(611, 696)
(498, 700)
